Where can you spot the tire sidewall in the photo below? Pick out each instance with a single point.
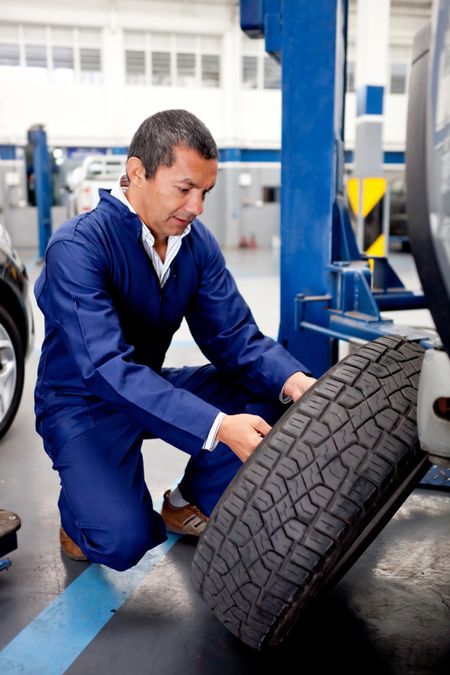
(14, 335)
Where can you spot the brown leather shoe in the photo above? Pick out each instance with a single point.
(69, 546)
(183, 519)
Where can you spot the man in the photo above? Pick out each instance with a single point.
(115, 287)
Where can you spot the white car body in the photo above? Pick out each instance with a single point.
(96, 171)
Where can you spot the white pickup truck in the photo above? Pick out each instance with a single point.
(96, 171)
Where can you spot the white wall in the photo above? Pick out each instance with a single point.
(108, 113)
(105, 113)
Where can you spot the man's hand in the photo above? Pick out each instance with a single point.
(242, 433)
(297, 384)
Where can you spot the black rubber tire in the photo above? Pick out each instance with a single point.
(7, 416)
(314, 494)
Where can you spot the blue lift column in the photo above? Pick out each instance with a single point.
(309, 38)
(328, 292)
(37, 137)
(313, 39)
(328, 289)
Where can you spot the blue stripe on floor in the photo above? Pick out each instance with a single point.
(58, 635)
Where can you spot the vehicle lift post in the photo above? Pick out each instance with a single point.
(37, 137)
(329, 291)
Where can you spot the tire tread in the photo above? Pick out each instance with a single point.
(309, 490)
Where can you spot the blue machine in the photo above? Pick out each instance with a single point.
(328, 290)
(38, 139)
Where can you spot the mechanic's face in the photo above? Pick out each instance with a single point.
(171, 200)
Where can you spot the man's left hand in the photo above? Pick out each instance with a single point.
(297, 384)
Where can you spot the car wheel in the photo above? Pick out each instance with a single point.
(314, 494)
(12, 369)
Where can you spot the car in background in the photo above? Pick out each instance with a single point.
(398, 220)
(16, 330)
(95, 172)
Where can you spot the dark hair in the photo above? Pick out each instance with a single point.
(155, 140)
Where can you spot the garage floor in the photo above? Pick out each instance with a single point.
(389, 615)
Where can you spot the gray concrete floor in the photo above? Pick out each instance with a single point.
(390, 613)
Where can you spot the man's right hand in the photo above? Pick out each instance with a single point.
(242, 433)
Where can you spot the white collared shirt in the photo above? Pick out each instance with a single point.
(162, 270)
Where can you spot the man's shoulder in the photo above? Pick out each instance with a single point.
(74, 229)
(93, 225)
(67, 231)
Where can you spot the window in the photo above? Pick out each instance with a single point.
(135, 66)
(259, 71)
(90, 64)
(9, 32)
(89, 54)
(161, 68)
(35, 56)
(66, 53)
(172, 59)
(399, 72)
(9, 54)
(272, 73)
(210, 70)
(250, 72)
(209, 47)
(36, 40)
(9, 45)
(62, 57)
(136, 57)
(185, 69)
(63, 54)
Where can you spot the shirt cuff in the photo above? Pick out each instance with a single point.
(282, 397)
(211, 442)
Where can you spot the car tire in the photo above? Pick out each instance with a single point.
(12, 370)
(314, 494)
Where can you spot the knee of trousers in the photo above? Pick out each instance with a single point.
(124, 544)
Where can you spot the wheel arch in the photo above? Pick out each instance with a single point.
(14, 306)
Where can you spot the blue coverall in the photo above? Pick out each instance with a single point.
(101, 386)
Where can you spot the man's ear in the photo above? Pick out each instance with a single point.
(136, 172)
